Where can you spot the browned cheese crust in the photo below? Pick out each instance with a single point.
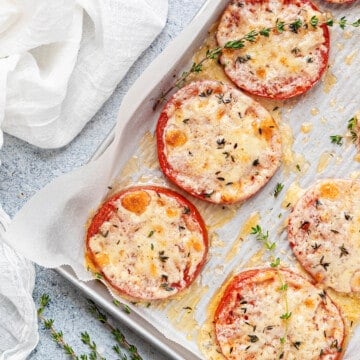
(324, 233)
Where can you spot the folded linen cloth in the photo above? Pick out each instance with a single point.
(59, 62)
(61, 59)
(18, 325)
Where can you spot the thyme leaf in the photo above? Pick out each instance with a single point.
(118, 336)
(162, 256)
(325, 265)
(343, 251)
(336, 139)
(253, 338)
(275, 263)
(351, 127)
(286, 316)
(278, 189)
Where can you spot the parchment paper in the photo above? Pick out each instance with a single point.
(49, 229)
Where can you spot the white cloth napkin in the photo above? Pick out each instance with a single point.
(61, 59)
(18, 325)
(59, 62)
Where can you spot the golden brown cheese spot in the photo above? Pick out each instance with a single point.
(284, 61)
(175, 138)
(236, 187)
(250, 357)
(265, 277)
(102, 259)
(171, 212)
(193, 243)
(261, 72)
(89, 262)
(179, 115)
(160, 202)
(329, 191)
(244, 158)
(309, 303)
(319, 277)
(205, 166)
(136, 202)
(251, 112)
(267, 127)
(203, 103)
(153, 270)
(159, 229)
(220, 113)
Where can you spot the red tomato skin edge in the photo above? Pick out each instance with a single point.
(325, 54)
(236, 283)
(233, 285)
(107, 208)
(164, 165)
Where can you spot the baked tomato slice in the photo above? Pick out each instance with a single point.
(217, 143)
(323, 231)
(281, 64)
(258, 317)
(147, 242)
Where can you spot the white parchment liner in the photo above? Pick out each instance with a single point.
(49, 229)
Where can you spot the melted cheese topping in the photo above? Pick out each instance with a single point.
(248, 323)
(281, 65)
(219, 144)
(151, 247)
(324, 230)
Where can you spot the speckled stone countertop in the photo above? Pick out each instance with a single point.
(25, 169)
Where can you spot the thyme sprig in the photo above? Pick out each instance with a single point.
(275, 263)
(56, 336)
(118, 336)
(94, 354)
(195, 68)
(251, 37)
(263, 237)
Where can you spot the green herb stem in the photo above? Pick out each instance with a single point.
(118, 336)
(56, 336)
(275, 263)
(94, 354)
(336, 139)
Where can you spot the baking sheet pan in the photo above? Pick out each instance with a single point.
(177, 57)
